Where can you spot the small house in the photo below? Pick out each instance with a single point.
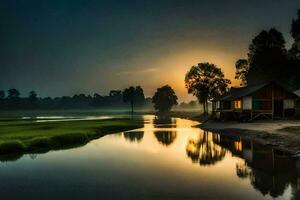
(269, 100)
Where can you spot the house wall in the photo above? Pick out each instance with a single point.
(247, 103)
(266, 93)
(262, 99)
(226, 105)
(288, 104)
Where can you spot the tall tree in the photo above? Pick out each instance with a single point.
(139, 97)
(206, 81)
(33, 98)
(13, 94)
(266, 57)
(164, 99)
(133, 95)
(295, 32)
(294, 55)
(32, 95)
(242, 69)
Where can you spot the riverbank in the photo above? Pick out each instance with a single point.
(191, 115)
(282, 134)
(26, 136)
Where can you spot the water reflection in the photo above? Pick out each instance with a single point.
(204, 150)
(176, 153)
(270, 171)
(165, 137)
(164, 122)
(10, 157)
(242, 170)
(134, 136)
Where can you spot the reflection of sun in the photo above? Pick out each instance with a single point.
(184, 123)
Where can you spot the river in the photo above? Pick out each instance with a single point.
(167, 159)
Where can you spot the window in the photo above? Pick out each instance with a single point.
(238, 104)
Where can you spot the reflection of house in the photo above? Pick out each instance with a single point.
(297, 104)
(250, 102)
(270, 171)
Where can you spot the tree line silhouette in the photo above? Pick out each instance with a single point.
(163, 100)
(12, 100)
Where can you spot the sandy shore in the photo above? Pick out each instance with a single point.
(282, 134)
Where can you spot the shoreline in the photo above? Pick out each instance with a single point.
(282, 134)
(58, 137)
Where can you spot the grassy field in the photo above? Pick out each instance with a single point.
(27, 136)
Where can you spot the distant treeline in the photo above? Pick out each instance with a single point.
(12, 100)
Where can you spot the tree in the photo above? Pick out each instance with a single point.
(32, 98)
(13, 94)
(115, 93)
(295, 29)
(242, 69)
(139, 95)
(266, 57)
(295, 32)
(206, 81)
(164, 99)
(294, 55)
(32, 95)
(133, 95)
(2, 94)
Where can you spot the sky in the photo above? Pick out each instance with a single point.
(64, 47)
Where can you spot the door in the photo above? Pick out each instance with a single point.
(278, 108)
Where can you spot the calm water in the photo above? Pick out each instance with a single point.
(167, 159)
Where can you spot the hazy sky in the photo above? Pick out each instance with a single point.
(62, 47)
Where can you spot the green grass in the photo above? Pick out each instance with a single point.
(28, 136)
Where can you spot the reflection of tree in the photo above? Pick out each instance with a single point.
(273, 184)
(165, 137)
(134, 136)
(269, 172)
(10, 157)
(204, 150)
(33, 156)
(242, 170)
